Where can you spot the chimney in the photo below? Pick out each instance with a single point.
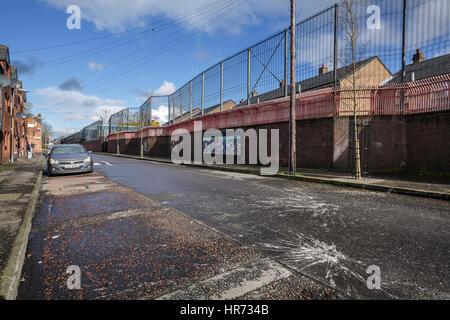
(418, 57)
(254, 93)
(323, 69)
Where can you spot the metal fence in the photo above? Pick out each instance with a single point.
(375, 40)
(74, 138)
(388, 31)
(153, 112)
(95, 131)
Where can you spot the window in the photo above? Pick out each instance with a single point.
(68, 150)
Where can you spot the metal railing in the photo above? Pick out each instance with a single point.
(391, 30)
(388, 35)
(149, 114)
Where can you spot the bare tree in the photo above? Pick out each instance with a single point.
(47, 133)
(352, 49)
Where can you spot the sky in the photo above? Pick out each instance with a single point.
(71, 85)
(125, 51)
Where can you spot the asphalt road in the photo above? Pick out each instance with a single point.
(328, 233)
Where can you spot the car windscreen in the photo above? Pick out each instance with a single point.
(68, 150)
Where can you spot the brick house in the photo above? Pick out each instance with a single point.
(422, 68)
(369, 73)
(5, 106)
(9, 110)
(34, 132)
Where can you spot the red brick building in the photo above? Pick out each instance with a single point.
(34, 132)
(12, 129)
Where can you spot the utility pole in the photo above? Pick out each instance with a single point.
(141, 125)
(292, 117)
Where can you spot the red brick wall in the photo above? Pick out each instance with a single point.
(94, 146)
(5, 138)
(428, 142)
(413, 142)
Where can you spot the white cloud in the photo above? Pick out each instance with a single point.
(161, 114)
(117, 15)
(95, 66)
(74, 105)
(167, 88)
(59, 132)
(74, 116)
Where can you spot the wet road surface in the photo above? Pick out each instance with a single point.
(154, 230)
(128, 246)
(329, 233)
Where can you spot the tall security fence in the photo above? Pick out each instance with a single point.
(72, 139)
(152, 113)
(98, 130)
(375, 40)
(351, 48)
(95, 131)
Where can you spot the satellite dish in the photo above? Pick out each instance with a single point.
(15, 84)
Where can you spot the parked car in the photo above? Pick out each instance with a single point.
(69, 158)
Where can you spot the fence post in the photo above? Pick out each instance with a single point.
(249, 76)
(286, 62)
(221, 86)
(170, 106)
(128, 119)
(335, 62)
(402, 94)
(141, 125)
(173, 108)
(190, 100)
(203, 93)
(404, 41)
(181, 104)
(151, 112)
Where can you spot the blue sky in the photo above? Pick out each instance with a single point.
(72, 85)
(74, 76)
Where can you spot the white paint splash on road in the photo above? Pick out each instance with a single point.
(303, 252)
(299, 200)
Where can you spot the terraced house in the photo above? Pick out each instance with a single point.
(13, 140)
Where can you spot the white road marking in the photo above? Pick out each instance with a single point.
(233, 284)
(107, 163)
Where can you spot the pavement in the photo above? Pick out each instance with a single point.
(413, 184)
(19, 189)
(151, 230)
